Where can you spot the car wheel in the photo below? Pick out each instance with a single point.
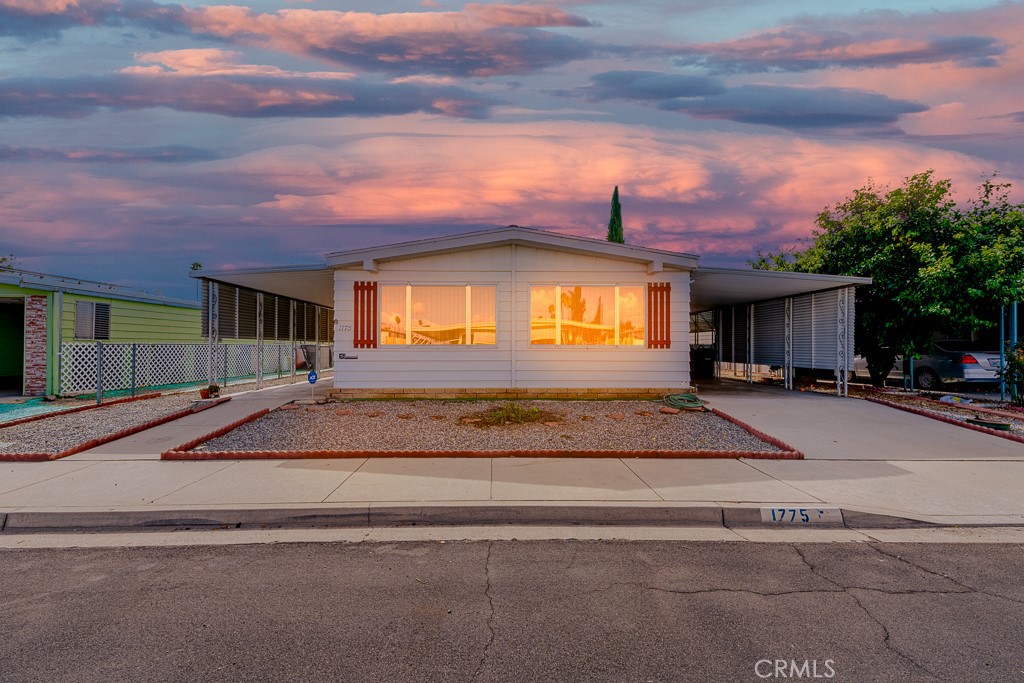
(927, 379)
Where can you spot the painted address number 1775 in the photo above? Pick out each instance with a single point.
(779, 514)
(801, 515)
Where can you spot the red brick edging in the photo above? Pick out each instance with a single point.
(788, 452)
(947, 420)
(79, 409)
(93, 443)
(185, 452)
(25, 457)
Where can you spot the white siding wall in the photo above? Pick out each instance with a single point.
(497, 366)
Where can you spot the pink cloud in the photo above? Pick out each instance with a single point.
(39, 7)
(525, 15)
(722, 193)
(214, 62)
(478, 41)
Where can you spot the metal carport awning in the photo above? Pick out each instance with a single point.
(312, 283)
(791, 320)
(717, 287)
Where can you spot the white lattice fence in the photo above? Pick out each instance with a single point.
(159, 365)
(78, 368)
(164, 364)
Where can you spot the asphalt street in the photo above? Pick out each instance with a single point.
(514, 611)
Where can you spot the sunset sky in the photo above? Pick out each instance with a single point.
(139, 136)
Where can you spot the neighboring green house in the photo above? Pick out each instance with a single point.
(38, 313)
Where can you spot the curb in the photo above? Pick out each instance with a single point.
(185, 452)
(43, 416)
(947, 420)
(178, 454)
(365, 516)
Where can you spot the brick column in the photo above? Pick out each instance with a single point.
(35, 345)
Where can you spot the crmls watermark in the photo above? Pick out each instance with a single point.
(793, 669)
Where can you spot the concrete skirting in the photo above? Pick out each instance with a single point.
(562, 393)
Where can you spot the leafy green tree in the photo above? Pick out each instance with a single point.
(935, 266)
(615, 222)
(8, 262)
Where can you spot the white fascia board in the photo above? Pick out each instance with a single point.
(785, 274)
(502, 236)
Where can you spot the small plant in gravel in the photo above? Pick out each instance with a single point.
(1013, 372)
(510, 413)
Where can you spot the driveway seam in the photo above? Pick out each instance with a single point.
(56, 476)
(230, 464)
(785, 483)
(660, 497)
(342, 482)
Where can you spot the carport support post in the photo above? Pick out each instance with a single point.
(787, 368)
(212, 329)
(841, 343)
(720, 315)
(1013, 324)
(291, 333)
(1002, 352)
(99, 372)
(259, 340)
(749, 368)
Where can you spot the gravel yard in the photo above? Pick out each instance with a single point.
(444, 425)
(954, 411)
(60, 432)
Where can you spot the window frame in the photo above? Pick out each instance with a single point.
(94, 320)
(559, 287)
(468, 301)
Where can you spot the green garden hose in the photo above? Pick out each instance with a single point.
(684, 401)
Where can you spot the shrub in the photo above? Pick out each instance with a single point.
(1013, 372)
(513, 413)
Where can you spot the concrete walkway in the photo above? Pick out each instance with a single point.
(861, 456)
(148, 445)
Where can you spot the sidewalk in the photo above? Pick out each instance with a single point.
(861, 456)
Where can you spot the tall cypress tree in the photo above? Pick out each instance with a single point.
(615, 222)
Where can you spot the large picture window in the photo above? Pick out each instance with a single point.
(438, 314)
(594, 315)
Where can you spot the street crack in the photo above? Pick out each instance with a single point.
(967, 588)
(490, 617)
(887, 639)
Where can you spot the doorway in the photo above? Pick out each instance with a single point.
(12, 345)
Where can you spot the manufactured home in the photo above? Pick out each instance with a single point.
(40, 314)
(521, 312)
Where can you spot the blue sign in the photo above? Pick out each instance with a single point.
(311, 376)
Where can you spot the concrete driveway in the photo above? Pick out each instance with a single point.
(827, 427)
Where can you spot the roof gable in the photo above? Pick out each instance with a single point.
(655, 259)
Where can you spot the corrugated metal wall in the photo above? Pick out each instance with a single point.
(815, 331)
(237, 316)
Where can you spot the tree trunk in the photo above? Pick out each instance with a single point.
(880, 362)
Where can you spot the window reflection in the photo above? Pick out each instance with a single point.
(429, 315)
(392, 314)
(542, 315)
(592, 315)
